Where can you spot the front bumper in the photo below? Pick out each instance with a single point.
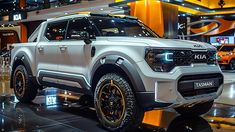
(162, 89)
(223, 62)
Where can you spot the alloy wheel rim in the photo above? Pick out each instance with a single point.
(19, 83)
(111, 102)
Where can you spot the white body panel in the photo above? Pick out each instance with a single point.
(74, 58)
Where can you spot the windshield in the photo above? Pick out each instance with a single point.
(218, 48)
(108, 26)
(227, 48)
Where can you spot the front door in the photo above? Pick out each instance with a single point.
(73, 55)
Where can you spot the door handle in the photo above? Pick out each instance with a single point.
(40, 48)
(63, 48)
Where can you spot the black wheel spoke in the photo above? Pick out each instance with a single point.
(19, 82)
(111, 102)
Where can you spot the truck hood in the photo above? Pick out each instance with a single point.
(159, 42)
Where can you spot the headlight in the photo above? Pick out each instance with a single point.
(164, 60)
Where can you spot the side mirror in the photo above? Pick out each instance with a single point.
(81, 35)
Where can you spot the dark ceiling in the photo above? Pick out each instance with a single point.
(8, 6)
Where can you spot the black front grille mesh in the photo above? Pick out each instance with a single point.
(186, 57)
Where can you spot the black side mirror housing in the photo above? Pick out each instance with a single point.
(82, 35)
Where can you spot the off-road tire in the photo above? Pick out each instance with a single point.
(28, 87)
(195, 110)
(133, 114)
(232, 64)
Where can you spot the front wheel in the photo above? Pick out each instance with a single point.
(24, 88)
(115, 104)
(195, 110)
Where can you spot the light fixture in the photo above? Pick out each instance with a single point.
(221, 3)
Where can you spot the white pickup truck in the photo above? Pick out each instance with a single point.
(120, 63)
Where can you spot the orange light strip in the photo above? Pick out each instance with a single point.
(205, 3)
(212, 4)
(198, 12)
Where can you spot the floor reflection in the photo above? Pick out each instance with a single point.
(60, 110)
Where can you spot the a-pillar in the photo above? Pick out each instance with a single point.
(23, 27)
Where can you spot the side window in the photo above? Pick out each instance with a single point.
(56, 30)
(35, 40)
(79, 25)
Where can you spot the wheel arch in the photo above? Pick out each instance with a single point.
(20, 59)
(116, 64)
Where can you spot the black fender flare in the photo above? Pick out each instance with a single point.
(24, 59)
(126, 66)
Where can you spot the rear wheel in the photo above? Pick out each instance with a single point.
(24, 88)
(115, 104)
(232, 64)
(195, 110)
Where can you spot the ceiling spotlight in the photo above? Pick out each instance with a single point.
(182, 4)
(198, 8)
(221, 3)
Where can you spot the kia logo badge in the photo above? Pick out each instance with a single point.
(197, 45)
(199, 57)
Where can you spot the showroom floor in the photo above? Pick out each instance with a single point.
(58, 110)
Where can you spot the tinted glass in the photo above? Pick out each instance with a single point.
(56, 30)
(227, 48)
(79, 25)
(218, 47)
(121, 27)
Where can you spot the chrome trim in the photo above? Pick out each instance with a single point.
(64, 74)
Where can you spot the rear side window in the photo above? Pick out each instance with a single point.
(56, 30)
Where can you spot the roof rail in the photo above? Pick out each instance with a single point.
(125, 16)
(98, 14)
(114, 15)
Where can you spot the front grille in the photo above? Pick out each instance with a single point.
(186, 57)
(186, 84)
(191, 93)
(182, 57)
